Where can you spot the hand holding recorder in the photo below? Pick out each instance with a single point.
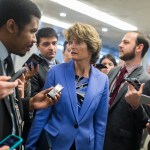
(7, 83)
(6, 88)
(46, 98)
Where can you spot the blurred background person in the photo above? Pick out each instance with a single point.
(109, 61)
(47, 39)
(78, 120)
(47, 48)
(66, 52)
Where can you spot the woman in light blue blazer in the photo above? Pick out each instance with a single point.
(78, 120)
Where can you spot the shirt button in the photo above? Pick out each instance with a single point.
(76, 125)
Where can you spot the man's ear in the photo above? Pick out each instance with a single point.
(11, 26)
(140, 47)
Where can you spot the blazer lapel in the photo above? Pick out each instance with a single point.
(112, 75)
(122, 92)
(137, 72)
(91, 91)
(70, 81)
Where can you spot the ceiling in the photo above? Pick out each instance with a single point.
(135, 12)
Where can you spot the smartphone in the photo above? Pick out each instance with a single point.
(58, 88)
(18, 74)
(134, 82)
(12, 141)
(34, 59)
(145, 99)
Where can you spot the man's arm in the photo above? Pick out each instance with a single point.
(39, 101)
(132, 97)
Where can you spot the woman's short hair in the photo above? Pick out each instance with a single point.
(89, 35)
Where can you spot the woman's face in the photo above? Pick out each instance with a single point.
(79, 50)
(109, 64)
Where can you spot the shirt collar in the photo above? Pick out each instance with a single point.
(51, 63)
(3, 52)
(132, 68)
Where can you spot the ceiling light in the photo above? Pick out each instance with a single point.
(104, 29)
(96, 14)
(62, 14)
(55, 22)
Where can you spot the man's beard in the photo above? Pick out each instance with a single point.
(128, 56)
(20, 53)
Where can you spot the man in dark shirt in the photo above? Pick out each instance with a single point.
(47, 47)
(18, 23)
(126, 119)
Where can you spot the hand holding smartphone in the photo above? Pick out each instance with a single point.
(12, 141)
(134, 82)
(33, 60)
(18, 74)
(58, 88)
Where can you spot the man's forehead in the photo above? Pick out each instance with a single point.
(33, 24)
(130, 36)
(53, 38)
(34, 20)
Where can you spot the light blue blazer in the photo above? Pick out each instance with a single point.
(63, 122)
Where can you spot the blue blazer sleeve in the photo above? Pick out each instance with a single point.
(41, 117)
(100, 118)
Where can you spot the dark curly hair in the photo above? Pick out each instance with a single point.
(21, 11)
